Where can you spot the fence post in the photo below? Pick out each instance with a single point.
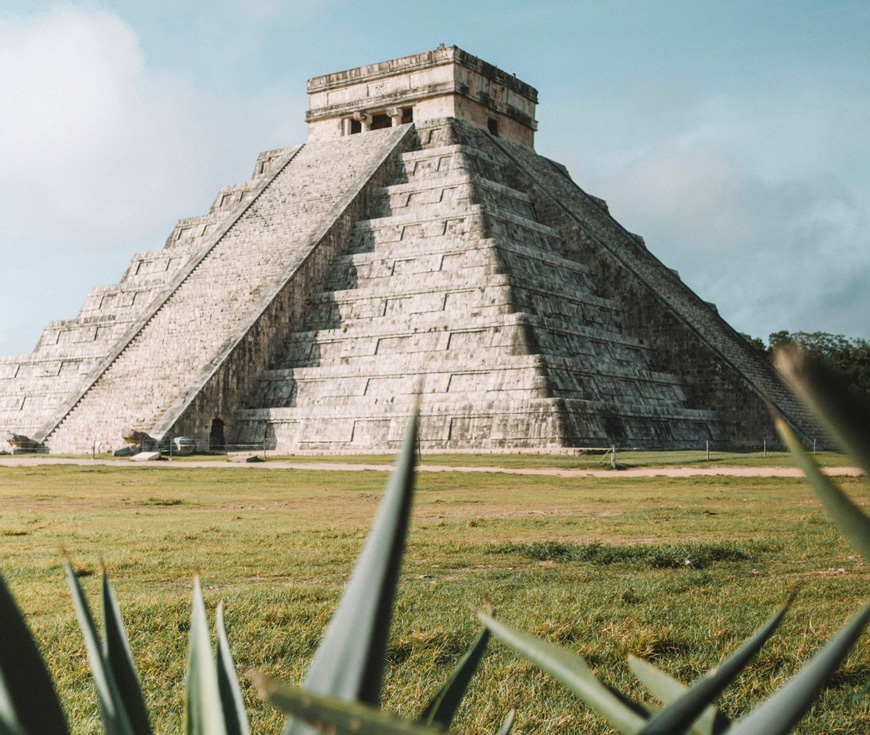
(170, 447)
(814, 445)
(708, 450)
(765, 448)
(94, 450)
(613, 456)
(264, 448)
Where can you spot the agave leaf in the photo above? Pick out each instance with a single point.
(119, 660)
(228, 683)
(9, 728)
(843, 414)
(679, 715)
(349, 661)
(27, 698)
(778, 714)
(667, 689)
(508, 723)
(112, 710)
(442, 708)
(572, 671)
(203, 714)
(333, 715)
(848, 516)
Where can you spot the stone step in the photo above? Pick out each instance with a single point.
(446, 425)
(448, 192)
(203, 310)
(443, 306)
(444, 160)
(450, 254)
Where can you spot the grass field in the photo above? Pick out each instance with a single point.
(678, 571)
(589, 460)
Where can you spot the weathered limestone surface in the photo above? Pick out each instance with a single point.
(32, 387)
(454, 288)
(189, 322)
(689, 338)
(385, 259)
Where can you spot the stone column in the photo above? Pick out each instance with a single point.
(345, 126)
(365, 121)
(395, 114)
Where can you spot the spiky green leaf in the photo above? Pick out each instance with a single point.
(27, 698)
(844, 414)
(119, 659)
(667, 689)
(679, 715)
(851, 520)
(571, 670)
(203, 714)
(330, 714)
(349, 661)
(112, 710)
(779, 713)
(442, 707)
(228, 683)
(508, 723)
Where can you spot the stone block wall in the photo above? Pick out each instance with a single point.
(721, 370)
(186, 333)
(454, 288)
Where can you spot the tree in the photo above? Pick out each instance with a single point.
(850, 357)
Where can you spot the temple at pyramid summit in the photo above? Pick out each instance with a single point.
(416, 243)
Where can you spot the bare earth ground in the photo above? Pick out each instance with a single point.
(551, 471)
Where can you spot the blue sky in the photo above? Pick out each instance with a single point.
(734, 136)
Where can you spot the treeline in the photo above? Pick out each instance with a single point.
(849, 357)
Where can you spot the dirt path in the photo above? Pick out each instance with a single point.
(347, 467)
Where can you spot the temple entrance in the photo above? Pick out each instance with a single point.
(381, 121)
(216, 441)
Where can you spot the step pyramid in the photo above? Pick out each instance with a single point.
(390, 257)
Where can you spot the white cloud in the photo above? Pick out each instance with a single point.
(85, 130)
(99, 155)
(786, 255)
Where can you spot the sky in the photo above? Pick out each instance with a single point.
(733, 136)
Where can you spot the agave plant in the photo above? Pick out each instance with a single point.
(343, 685)
(690, 709)
(342, 689)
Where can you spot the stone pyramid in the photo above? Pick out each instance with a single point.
(415, 244)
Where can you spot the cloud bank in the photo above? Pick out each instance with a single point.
(99, 155)
(760, 206)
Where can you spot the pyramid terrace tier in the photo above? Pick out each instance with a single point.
(167, 361)
(431, 305)
(489, 378)
(540, 424)
(513, 333)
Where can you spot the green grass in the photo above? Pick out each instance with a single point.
(597, 565)
(589, 460)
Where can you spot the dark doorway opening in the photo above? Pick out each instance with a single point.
(381, 121)
(355, 126)
(216, 441)
(407, 115)
(492, 125)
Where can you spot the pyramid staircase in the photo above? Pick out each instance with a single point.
(314, 302)
(453, 288)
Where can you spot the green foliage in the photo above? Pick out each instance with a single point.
(342, 689)
(847, 358)
(653, 556)
(28, 703)
(443, 706)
